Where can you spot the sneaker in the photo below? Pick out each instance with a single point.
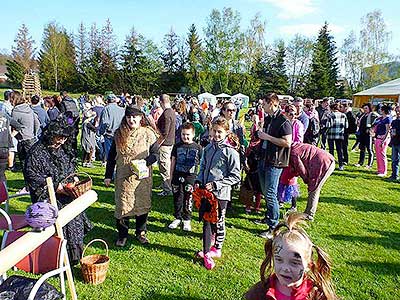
(175, 223)
(164, 194)
(260, 221)
(200, 254)
(357, 165)
(368, 167)
(89, 165)
(266, 234)
(247, 211)
(121, 242)
(345, 163)
(208, 262)
(292, 209)
(215, 253)
(23, 191)
(309, 217)
(142, 238)
(103, 164)
(84, 165)
(341, 168)
(187, 226)
(381, 175)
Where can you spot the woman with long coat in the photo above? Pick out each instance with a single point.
(50, 157)
(134, 147)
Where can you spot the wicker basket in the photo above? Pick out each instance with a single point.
(81, 187)
(94, 267)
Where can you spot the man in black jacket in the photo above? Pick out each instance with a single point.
(276, 137)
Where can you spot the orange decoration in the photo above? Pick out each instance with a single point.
(198, 195)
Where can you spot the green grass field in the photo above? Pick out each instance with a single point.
(357, 223)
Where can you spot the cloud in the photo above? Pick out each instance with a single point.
(293, 9)
(309, 29)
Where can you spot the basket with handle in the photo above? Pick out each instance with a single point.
(80, 187)
(94, 267)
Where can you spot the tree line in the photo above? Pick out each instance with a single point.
(224, 58)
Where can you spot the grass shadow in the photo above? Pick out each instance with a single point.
(378, 268)
(388, 239)
(363, 205)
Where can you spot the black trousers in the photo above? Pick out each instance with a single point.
(123, 225)
(345, 147)
(216, 230)
(323, 139)
(366, 144)
(182, 200)
(339, 149)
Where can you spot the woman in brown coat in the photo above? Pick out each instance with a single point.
(133, 151)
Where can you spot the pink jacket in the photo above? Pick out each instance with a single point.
(310, 163)
(298, 131)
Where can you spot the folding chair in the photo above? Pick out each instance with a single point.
(47, 259)
(10, 222)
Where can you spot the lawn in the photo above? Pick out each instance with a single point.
(357, 223)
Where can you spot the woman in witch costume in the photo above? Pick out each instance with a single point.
(50, 157)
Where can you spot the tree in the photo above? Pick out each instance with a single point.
(324, 67)
(374, 42)
(223, 46)
(298, 61)
(15, 73)
(194, 60)
(94, 39)
(272, 70)
(351, 59)
(81, 46)
(170, 55)
(23, 50)
(57, 58)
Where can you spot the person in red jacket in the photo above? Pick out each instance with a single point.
(314, 166)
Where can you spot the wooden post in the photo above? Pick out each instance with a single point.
(60, 234)
(20, 248)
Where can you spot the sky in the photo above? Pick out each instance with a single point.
(154, 18)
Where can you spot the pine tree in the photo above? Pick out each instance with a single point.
(324, 67)
(272, 70)
(23, 50)
(81, 46)
(194, 59)
(170, 56)
(15, 73)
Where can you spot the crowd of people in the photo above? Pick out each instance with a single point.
(201, 153)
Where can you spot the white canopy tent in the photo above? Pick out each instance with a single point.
(210, 98)
(242, 98)
(223, 95)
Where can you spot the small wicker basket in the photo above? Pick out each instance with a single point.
(94, 267)
(81, 187)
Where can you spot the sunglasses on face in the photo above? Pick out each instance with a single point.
(230, 110)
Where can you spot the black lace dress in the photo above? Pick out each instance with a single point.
(43, 161)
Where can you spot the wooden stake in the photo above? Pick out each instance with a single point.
(60, 234)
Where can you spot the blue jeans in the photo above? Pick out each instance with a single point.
(395, 161)
(269, 180)
(107, 145)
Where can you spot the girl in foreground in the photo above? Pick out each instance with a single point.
(289, 271)
(219, 171)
